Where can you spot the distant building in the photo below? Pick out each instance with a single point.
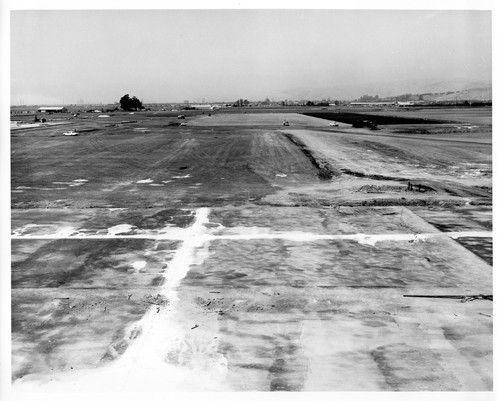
(410, 103)
(202, 106)
(52, 110)
(370, 104)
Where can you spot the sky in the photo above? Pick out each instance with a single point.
(97, 56)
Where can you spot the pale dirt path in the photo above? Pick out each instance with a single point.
(401, 157)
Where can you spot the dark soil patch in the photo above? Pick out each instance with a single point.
(355, 118)
(482, 247)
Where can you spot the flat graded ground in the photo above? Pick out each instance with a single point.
(238, 254)
(471, 116)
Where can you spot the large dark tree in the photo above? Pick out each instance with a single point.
(127, 103)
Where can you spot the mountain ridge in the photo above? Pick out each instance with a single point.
(392, 89)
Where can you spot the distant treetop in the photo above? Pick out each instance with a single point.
(127, 103)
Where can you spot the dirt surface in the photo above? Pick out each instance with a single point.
(466, 115)
(238, 254)
(121, 167)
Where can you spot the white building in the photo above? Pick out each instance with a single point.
(370, 104)
(53, 110)
(202, 106)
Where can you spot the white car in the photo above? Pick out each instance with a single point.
(334, 124)
(71, 133)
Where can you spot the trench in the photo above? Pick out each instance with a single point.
(251, 233)
(325, 170)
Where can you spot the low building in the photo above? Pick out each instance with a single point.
(202, 106)
(52, 110)
(372, 104)
(410, 103)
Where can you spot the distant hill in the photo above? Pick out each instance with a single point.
(468, 94)
(441, 86)
(469, 87)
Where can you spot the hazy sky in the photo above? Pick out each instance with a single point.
(217, 55)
